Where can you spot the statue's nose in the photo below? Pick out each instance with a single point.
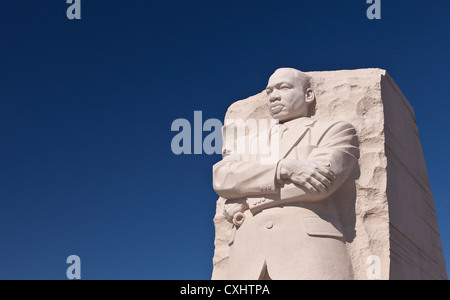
(275, 96)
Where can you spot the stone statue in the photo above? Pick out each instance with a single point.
(286, 224)
(296, 215)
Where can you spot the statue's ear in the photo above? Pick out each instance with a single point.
(309, 96)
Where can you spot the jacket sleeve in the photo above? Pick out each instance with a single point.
(234, 178)
(339, 147)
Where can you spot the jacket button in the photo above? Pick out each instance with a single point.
(269, 225)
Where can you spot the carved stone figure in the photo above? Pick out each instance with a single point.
(333, 200)
(286, 223)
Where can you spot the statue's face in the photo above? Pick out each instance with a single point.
(287, 100)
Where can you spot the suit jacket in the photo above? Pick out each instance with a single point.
(289, 232)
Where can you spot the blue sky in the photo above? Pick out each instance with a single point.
(86, 108)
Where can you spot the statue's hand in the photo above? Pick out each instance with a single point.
(233, 207)
(313, 176)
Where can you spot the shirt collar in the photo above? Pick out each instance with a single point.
(305, 121)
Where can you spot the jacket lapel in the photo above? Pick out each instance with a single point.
(296, 129)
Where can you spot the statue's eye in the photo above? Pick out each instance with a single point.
(285, 87)
(268, 91)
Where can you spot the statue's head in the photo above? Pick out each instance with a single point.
(289, 94)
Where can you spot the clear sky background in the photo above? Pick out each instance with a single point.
(86, 108)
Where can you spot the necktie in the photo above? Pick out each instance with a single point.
(277, 132)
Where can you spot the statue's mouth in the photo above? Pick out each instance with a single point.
(275, 109)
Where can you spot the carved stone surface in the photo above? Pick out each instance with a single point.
(390, 215)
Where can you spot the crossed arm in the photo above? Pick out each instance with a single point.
(311, 179)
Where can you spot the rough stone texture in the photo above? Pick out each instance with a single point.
(395, 218)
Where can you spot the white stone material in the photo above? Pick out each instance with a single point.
(384, 207)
